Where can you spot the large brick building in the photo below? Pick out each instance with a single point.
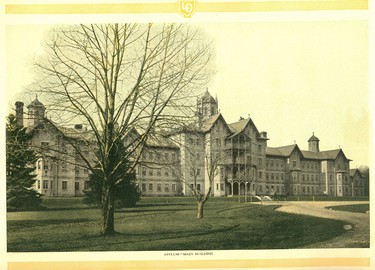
(170, 165)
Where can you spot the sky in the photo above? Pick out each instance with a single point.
(292, 77)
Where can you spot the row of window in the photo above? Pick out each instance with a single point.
(158, 172)
(50, 166)
(47, 184)
(159, 156)
(149, 187)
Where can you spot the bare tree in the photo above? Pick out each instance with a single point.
(116, 77)
(200, 165)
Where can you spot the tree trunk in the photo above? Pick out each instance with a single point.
(108, 212)
(200, 210)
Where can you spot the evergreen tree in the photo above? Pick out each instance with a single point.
(126, 192)
(20, 159)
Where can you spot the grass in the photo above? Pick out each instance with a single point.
(165, 224)
(357, 208)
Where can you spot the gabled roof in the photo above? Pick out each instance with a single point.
(160, 141)
(208, 123)
(352, 172)
(283, 151)
(310, 155)
(330, 154)
(238, 127)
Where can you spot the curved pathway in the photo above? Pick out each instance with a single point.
(357, 237)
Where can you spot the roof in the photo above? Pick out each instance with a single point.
(310, 155)
(313, 138)
(36, 103)
(207, 97)
(160, 141)
(209, 122)
(329, 154)
(284, 151)
(238, 127)
(352, 172)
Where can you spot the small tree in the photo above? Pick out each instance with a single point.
(19, 168)
(126, 192)
(212, 170)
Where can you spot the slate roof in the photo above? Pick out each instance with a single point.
(310, 155)
(237, 127)
(36, 103)
(329, 154)
(352, 172)
(160, 141)
(209, 122)
(283, 151)
(207, 97)
(313, 138)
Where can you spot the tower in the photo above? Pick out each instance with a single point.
(36, 111)
(313, 144)
(207, 106)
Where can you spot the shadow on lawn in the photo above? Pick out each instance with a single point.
(123, 238)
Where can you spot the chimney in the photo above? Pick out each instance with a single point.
(19, 113)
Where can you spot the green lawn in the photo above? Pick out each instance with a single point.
(357, 208)
(165, 224)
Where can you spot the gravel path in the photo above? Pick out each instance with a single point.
(357, 237)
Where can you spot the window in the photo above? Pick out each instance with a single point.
(86, 185)
(143, 171)
(38, 184)
(222, 187)
(150, 173)
(158, 187)
(39, 164)
(174, 187)
(260, 175)
(260, 162)
(143, 187)
(217, 186)
(45, 184)
(199, 187)
(150, 187)
(259, 148)
(76, 186)
(198, 171)
(166, 188)
(158, 172)
(166, 173)
(64, 185)
(294, 163)
(45, 166)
